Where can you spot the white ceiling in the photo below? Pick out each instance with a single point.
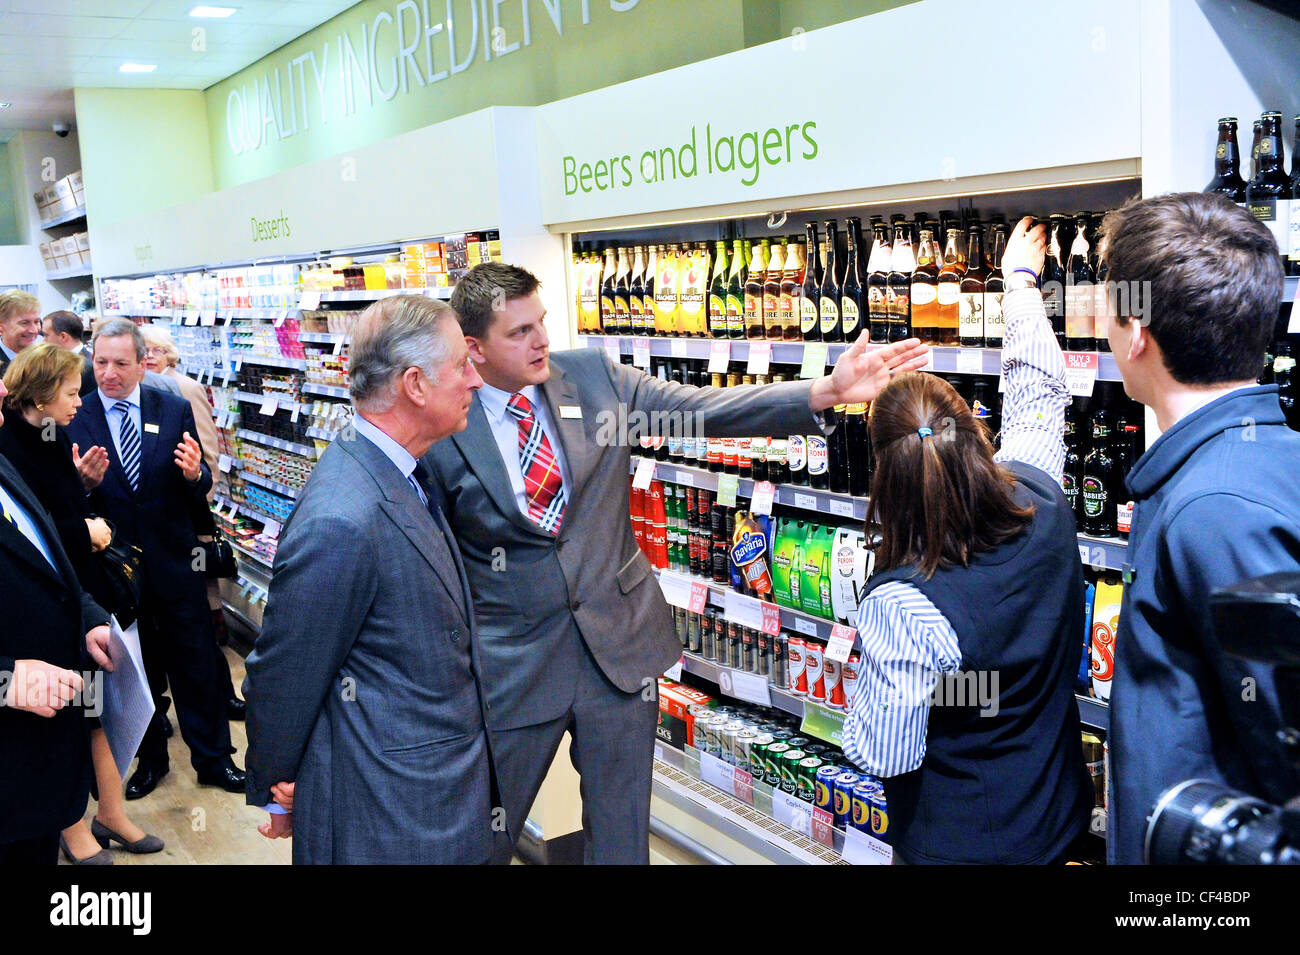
(49, 46)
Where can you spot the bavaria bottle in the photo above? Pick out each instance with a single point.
(853, 303)
(736, 292)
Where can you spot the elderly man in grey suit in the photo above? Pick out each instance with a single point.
(365, 719)
(575, 628)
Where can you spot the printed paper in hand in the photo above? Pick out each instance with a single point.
(128, 704)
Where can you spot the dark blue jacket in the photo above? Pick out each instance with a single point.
(1217, 501)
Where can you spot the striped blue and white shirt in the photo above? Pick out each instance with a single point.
(906, 642)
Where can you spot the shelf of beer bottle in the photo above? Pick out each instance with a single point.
(943, 358)
(788, 495)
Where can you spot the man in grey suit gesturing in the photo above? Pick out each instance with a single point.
(364, 713)
(575, 629)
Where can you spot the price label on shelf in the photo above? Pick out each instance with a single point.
(750, 687)
(645, 472)
(1293, 323)
(679, 348)
(225, 382)
(676, 588)
(281, 317)
(806, 501)
(760, 358)
(841, 643)
(728, 487)
(684, 478)
(771, 619)
(208, 317)
(223, 463)
(641, 353)
(842, 508)
(805, 626)
(719, 356)
(717, 773)
(790, 810)
(613, 350)
(293, 412)
(744, 610)
(742, 785)
(764, 493)
(269, 405)
(309, 301)
(823, 827)
(863, 849)
(271, 529)
(234, 511)
(659, 751)
(970, 361)
(824, 723)
(814, 360)
(338, 345)
(674, 672)
(190, 318)
(699, 597)
(1081, 372)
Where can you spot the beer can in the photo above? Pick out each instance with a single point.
(679, 624)
(730, 733)
(831, 672)
(817, 749)
(789, 765)
(800, 742)
(758, 754)
(708, 639)
(762, 653)
(796, 662)
(860, 807)
(692, 632)
(782, 734)
(879, 815)
(748, 662)
(824, 797)
(842, 798)
(814, 655)
(733, 645)
(806, 785)
(849, 677)
(772, 762)
(1094, 756)
(742, 747)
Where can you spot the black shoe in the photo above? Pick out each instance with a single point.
(164, 724)
(235, 709)
(145, 780)
(225, 775)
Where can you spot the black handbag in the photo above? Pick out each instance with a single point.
(219, 557)
(122, 573)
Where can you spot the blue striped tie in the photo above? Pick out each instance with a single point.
(129, 439)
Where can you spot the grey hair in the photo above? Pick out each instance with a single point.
(116, 328)
(391, 336)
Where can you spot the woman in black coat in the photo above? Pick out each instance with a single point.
(43, 384)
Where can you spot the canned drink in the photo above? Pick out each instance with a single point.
(798, 677)
(762, 653)
(699, 715)
(824, 796)
(818, 749)
(814, 654)
(679, 624)
(800, 742)
(777, 674)
(722, 641)
(743, 748)
(834, 687)
(772, 762)
(730, 733)
(879, 815)
(733, 645)
(747, 662)
(782, 735)
(860, 807)
(789, 765)
(1094, 757)
(806, 785)
(708, 638)
(849, 677)
(693, 632)
(842, 798)
(758, 755)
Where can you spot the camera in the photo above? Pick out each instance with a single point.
(1204, 822)
(62, 129)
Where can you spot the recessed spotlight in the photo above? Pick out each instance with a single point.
(5, 105)
(214, 13)
(138, 67)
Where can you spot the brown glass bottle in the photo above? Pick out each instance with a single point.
(994, 288)
(1268, 195)
(925, 290)
(947, 312)
(877, 280)
(772, 327)
(1227, 180)
(970, 304)
(809, 311)
(898, 293)
(791, 282)
(829, 293)
(754, 325)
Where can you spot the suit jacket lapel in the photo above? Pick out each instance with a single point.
(95, 417)
(559, 391)
(479, 447)
(17, 542)
(150, 441)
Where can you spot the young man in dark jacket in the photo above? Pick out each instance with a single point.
(1216, 499)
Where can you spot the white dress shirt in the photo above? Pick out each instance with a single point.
(401, 458)
(26, 525)
(7, 353)
(505, 429)
(115, 418)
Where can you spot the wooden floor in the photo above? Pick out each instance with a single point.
(201, 824)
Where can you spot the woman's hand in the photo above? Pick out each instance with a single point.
(92, 466)
(1026, 249)
(101, 535)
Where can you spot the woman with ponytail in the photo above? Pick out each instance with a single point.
(971, 624)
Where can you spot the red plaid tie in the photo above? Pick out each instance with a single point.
(543, 483)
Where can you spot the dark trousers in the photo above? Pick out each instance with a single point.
(42, 850)
(612, 749)
(179, 650)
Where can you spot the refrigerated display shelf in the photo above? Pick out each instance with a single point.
(276, 361)
(795, 621)
(270, 485)
(371, 295)
(324, 338)
(282, 401)
(248, 555)
(329, 391)
(271, 442)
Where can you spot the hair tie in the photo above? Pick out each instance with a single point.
(925, 432)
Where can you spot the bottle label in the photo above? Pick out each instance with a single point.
(718, 312)
(1078, 310)
(1293, 242)
(807, 315)
(851, 316)
(795, 452)
(1124, 517)
(970, 315)
(994, 322)
(1283, 364)
(1070, 487)
(923, 293)
(1221, 151)
(735, 315)
(753, 307)
(830, 315)
(948, 292)
(770, 306)
(1276, 214)
(1094, 497)
(785, 309)
(875, 302)
(817, 456)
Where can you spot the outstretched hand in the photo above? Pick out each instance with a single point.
(862, 373)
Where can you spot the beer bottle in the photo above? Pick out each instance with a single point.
(918, 223)
(718, 292)
(1102, 306)
(948, 307)
(837, 449)
(791, 282)
(1254, 150)
(1079, 322)
(648, 295)
(858, 449)
(1098, 480)
(1294, 250)
(636, 291)
(898, 292)
(947, 220)
(1227, 180)
(622, 306)
(818, 450)
(796, 459)
(853, 303)
(772, 327)
(829, 293)
(608, 312)
(877, 280)
(1288, 393)
(970, 303)
(810, 295)
(1072, 476)
(994, 288)
(1268, 196)
(925, 290)
(1052, 282)
(736, 291)
(754, 326)
(1126, 455)
(666, 301)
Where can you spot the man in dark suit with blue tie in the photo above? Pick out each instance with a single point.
(155, 477)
